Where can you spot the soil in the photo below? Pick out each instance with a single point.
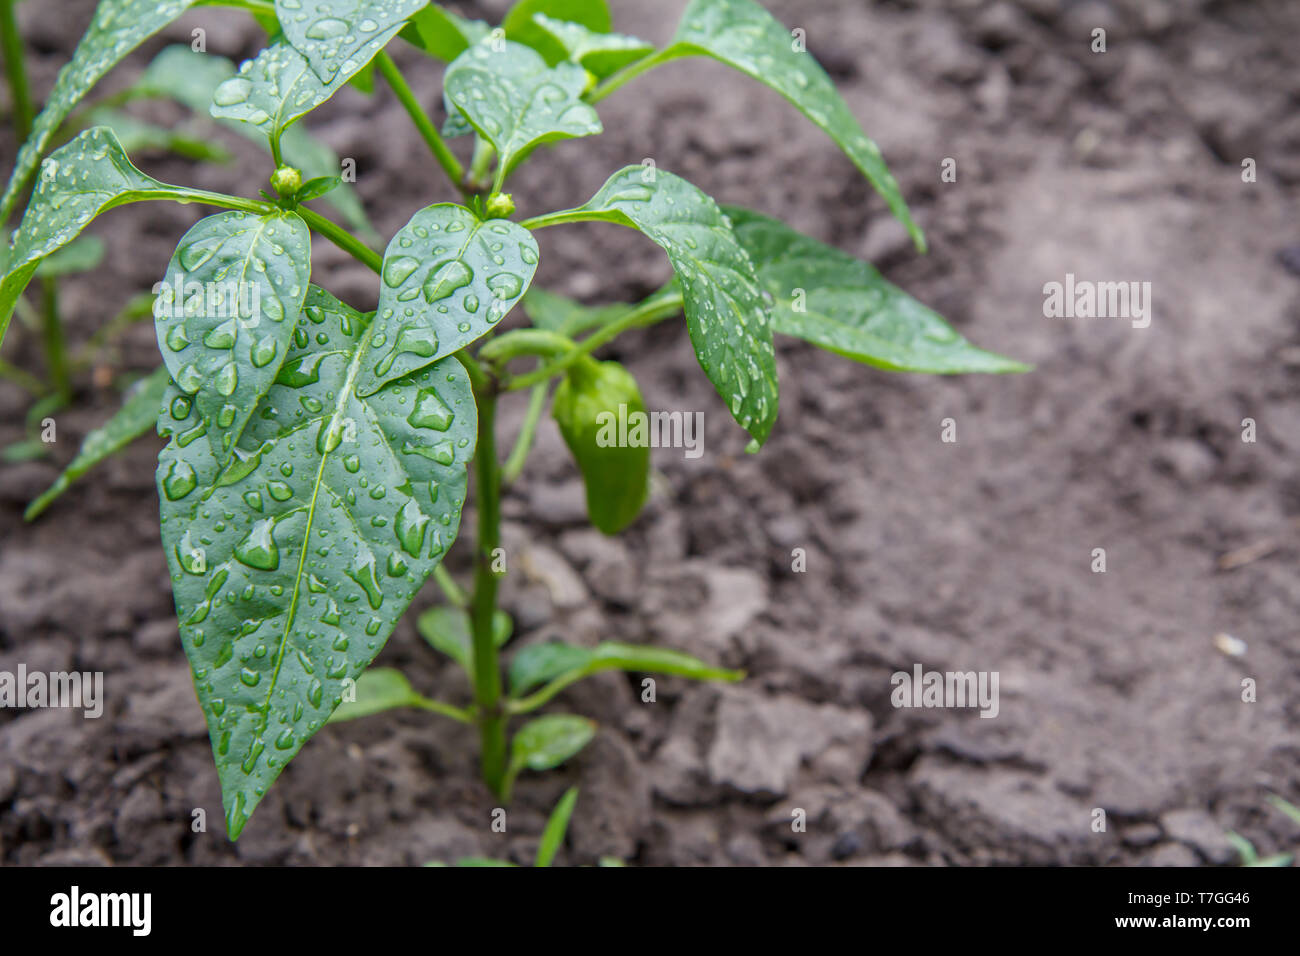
(969, 555)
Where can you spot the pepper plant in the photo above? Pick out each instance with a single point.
(318, 457)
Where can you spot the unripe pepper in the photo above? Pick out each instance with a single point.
(587, 409)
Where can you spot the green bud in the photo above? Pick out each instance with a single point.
(500, 205)
(286, 181)
(592, 80)
(587, 410)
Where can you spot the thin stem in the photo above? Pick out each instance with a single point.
(524, 704)
(56, 353)
(454, 592)
(22, 378)
(476, 181)
(16, 71)
(437, 145)
(447, 710)
(342, 238)
(625, 75)
(487, 674)
(645, 314)
(529, 341)
(524, 442)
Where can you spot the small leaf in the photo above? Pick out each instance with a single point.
(557, 825)
(291, 568)
(448, 277)
(548, 741)
(378, 689)
(443, 34)
(136, 417)
(80, 255)
(118, 27)
(516, 102)
(520, 24)
(727, 312)
(333, 34)
(316, 187)
(542, 663)
(538, 663)
(743, 35)
(447, 629)
(837, 302)
(279, 87)
(226, 312)
(600, 53)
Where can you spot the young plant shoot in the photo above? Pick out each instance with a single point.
(318, 458)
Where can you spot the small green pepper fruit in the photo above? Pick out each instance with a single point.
(596, 407)
(500, 205)
(286, 181)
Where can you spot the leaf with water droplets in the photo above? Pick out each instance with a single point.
(837, 302)
(136, 417)
(292, 565)
(516, 102)
(601, 53)
(521, 26)
(727, 311)
(448, 278)
(190, 78)
(331, 33)
(441, 33)
(225, 313)
(279, 87)
(743, 35)
(118, 27)
(87, 176)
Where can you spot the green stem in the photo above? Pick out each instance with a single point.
(625, 75)
(16, 71)
(56, 353)
(489, 711)
(454, 592)
(342, 238)
(437, 145)
(519, 453)
(22, 378)
(447, 710)
(477, 181)
(646, 314)
(530, 341)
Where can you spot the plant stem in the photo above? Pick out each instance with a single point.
(16, 72)
(22, 378)
(56, 353)
(528, 341)
(454, 592)
(476, 182)
(519, 453)
(447, 710)
(437, 145)
(489, 711)
(342, 238)
(624, 75)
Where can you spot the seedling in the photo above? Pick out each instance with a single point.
(1246, 850)
(318, 457)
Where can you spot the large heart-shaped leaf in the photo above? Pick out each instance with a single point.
(226, 311)
(137, 416)
(727, 311)
(279, 87)
(743, 35)
(329, 33)
(291, 567)
(516, 102)
(119, 26)
(87, 176)
(448, 277)
(600, 53)
(830, 299)
(521, 26)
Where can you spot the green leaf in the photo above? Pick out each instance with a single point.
(80, 255)
(316, 187)
(521, 26)
(726, 308)
(226, 311)
(547, 742)
(540, 663)
(136, 417)
(842, 304)
(118, 27)
(743, 35)
(516, 102)
(334, 34)
(600, 53)
(448, 278)
(443, 34)
(378, 689)
(447, 629)
(87, 176)
(279, 87)
(137, 136)
(291, 568)
(191, 79)
(557, 825)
